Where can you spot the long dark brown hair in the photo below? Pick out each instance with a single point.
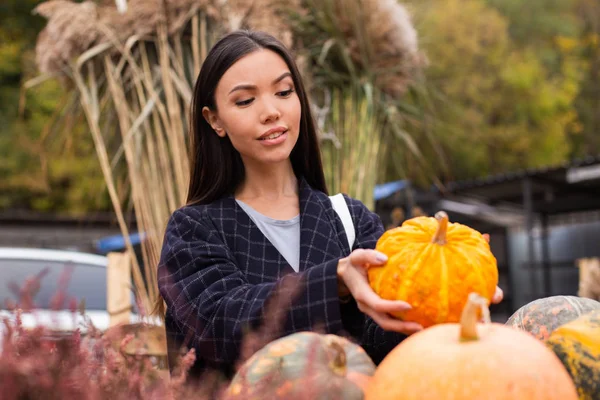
(216, 167)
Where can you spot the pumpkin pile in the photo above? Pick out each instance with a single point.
(548, 349)
(433, 265)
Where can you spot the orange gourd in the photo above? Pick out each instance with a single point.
(471, 361)
(434, 265)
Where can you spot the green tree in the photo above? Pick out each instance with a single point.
(564, 36)
(586, 134)
(499, 105)
(536, 23)
(17, 35)
(47, 159)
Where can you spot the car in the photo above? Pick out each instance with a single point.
(86, 281)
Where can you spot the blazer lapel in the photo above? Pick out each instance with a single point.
(255, 254)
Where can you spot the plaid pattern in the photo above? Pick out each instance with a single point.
(218, 272)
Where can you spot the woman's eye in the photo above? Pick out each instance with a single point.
(286, 93)
(244, 102)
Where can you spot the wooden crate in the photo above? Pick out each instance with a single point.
(589, 278)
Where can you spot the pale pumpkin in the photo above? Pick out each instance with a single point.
(469, 361)
(577, 345)
(434, 265)
(304, 365)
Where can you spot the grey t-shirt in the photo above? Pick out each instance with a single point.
(283, 234)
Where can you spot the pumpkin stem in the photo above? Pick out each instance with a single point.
(440, 233)
(470, 315)
(338, 363)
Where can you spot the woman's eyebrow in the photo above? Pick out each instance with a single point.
(281, 77)
(242, 87)
(252, 87)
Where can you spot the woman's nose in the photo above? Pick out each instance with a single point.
(270, 113)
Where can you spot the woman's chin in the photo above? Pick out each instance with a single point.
(274, 159)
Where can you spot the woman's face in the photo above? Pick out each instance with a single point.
(257, 108)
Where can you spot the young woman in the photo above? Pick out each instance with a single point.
(258, 215)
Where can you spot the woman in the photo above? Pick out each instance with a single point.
(258, 216)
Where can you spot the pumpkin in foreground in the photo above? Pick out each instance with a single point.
(469, 361)
(577, 345)
(434, 265)
(542, 316)
(304, 365)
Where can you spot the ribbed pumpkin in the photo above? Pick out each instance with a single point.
(469, 361)
(434, 265)
(577, 345)
(542, 316)
(304, 365)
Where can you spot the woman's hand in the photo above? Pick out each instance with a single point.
(499, 294)
(352, 278)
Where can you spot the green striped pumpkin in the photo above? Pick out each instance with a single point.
(304, 365)
(542, 316)
(577, 345)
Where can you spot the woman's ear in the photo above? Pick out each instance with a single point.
(213, 120)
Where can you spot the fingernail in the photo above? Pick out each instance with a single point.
(381, 257)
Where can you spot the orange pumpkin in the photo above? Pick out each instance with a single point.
(434, 265)
(471, 361)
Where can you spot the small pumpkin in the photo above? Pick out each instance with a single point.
(434, 265)
(471, 361)
(304, 365)
(542, 316)
(577, 345)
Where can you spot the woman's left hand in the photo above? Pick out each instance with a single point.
(499, 294)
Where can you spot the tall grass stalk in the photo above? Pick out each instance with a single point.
(354, 133)
(147, 85)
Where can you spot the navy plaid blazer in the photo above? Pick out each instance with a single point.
(217, 273)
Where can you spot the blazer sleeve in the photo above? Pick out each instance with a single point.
(211, 302)
(375, 340)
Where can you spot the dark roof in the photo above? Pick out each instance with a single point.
(569, 187)
(22, 217)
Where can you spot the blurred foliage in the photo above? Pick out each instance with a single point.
(47, 157)
(564, 33)
(496, 90)
(586, 134)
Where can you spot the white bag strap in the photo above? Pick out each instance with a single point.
(341, 208)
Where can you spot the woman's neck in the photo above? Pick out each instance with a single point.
(270, 182)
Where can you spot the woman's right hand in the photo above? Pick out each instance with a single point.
(353, 279)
